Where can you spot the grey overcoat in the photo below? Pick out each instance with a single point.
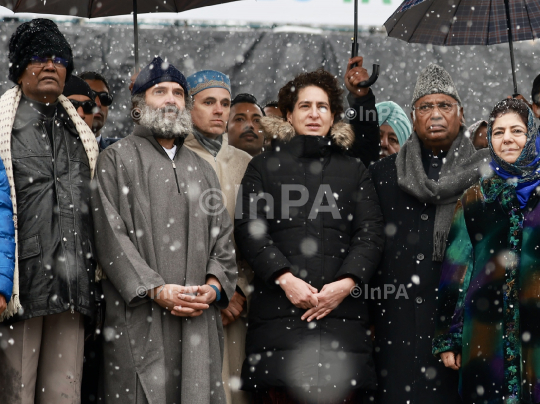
(156, 223)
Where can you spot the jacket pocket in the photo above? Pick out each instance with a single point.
(33, 282)
(29, 247)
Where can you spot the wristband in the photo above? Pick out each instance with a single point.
(218, 294)
(157, 294)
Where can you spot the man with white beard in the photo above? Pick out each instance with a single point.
(164, 242)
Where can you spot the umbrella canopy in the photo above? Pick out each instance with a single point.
(104, 8)
(466, 22)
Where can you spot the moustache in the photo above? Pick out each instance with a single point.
(249, 132)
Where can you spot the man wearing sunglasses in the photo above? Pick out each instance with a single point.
(50, 154)
(81, 96)
(104, 99)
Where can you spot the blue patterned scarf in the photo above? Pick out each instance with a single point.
(523, 175)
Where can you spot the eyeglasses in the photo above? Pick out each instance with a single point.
(105, 98)
(444, 107)
(39, 61)
(87, 106)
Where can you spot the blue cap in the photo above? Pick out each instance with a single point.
(156, 72)
(208, 79)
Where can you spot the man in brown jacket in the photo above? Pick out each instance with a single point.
(211, 94)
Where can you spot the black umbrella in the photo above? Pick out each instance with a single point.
(375, 73)
(466, 22)
(108, 8)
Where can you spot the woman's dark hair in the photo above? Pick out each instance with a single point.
(510, 105)
(288, 95)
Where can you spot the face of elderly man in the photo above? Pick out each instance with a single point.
(43, 79)
(437, 120)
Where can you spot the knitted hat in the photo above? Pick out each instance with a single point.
(208, 79)
(434, 80)
(156, 72)
(39, 37)
(392, 114)
(77, 86)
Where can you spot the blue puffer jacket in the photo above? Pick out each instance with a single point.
(7, 237)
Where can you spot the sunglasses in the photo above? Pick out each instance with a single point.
(87, 106)
(40, 61)
(105, 98)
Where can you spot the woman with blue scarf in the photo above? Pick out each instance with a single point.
(488, 318)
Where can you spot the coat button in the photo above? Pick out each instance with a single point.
(420, 257)
(424, 216)
(434, 165)
(419, 300)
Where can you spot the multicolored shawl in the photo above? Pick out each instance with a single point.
(513, 182)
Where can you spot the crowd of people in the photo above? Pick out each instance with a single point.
(230, 252)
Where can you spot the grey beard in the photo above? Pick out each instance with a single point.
(166, 127)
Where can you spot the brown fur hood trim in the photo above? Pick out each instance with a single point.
(341, 133)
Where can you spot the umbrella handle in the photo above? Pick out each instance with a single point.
(376, 68)
(372, 79)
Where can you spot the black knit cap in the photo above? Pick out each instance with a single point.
(156, 72)
(39, 37)
(77, 86)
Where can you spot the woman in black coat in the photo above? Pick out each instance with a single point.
(311, 229)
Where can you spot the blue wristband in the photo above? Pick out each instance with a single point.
(218, 294)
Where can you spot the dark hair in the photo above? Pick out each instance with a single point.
(510, 105)
(246, 98)
(288, 95)
(535, 92)
(272, 104)
(95, 76)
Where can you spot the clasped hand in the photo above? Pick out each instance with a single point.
(185, 301)
(318, 304)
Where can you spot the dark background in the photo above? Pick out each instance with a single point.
(261, 60)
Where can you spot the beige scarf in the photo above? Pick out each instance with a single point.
(9, 103)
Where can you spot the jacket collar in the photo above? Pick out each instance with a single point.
(282, 134)
(194, 144)
(30, 111)
(144, 132)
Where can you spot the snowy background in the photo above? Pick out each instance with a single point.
(260, 58)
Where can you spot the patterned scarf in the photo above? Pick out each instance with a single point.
(212, 145)
(9, 102)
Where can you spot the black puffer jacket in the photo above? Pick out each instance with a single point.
(55, 230)
(340, 241)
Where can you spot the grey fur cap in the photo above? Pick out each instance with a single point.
(434, 80)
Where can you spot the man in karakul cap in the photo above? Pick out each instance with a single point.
(394, 126)
(165, 241)
(211, 94)
(49, 153)
(418, 188)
